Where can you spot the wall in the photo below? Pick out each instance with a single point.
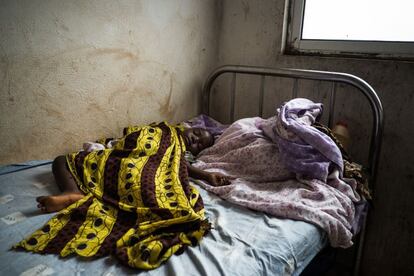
(73, 71)
(251, 34)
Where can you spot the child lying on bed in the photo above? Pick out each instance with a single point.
(195, 140)
(134, 200)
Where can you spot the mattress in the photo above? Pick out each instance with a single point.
(242, 241)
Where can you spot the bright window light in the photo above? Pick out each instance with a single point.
(366, 20)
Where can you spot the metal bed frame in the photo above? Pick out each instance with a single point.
(334, 78)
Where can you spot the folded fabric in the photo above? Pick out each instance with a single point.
(303, 149)
(262, 182)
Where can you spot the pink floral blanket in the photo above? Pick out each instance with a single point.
(261, 182)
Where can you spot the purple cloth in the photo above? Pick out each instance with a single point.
(361, 212)
(203, 121)
(304, 150)
(262, 182)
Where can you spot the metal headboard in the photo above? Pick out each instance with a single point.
(334, 78)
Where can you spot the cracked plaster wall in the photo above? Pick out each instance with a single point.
(74, 71)
(77, 70)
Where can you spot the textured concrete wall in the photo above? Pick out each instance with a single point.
(73, 71)
(251, 34)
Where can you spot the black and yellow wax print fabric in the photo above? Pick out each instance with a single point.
(139, 204)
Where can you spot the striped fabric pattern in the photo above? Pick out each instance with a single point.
(139, 204)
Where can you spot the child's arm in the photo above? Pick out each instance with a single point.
(215, 179)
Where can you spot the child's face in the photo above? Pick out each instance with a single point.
(197, 139)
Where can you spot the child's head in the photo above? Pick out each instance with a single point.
(197, 139)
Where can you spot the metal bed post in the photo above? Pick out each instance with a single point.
(332, 105)
(232, 96)
(360, 84)
(261, 95)
(334, 77)
(295, 88)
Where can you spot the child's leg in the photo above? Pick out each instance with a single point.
(63, 176)
(66, 183)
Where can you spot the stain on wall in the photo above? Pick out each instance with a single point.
(253, 37)
(75, 71)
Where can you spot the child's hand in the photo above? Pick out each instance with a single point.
(218, 179)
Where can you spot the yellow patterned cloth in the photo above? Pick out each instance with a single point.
(139, 204)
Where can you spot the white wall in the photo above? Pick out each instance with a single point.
(73, 71)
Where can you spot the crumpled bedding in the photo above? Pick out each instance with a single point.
(304, 149)
(243, 242)
(263, 181)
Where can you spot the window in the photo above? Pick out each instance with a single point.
(364, 28)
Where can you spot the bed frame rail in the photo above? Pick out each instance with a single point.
(297, 74)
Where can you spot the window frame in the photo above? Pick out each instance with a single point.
(293, 44)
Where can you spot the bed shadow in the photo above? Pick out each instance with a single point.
(109, 261)
(45, 181)
(32, 212)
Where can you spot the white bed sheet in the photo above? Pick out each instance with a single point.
(243, 242)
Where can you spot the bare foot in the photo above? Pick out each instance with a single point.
(49, 204)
